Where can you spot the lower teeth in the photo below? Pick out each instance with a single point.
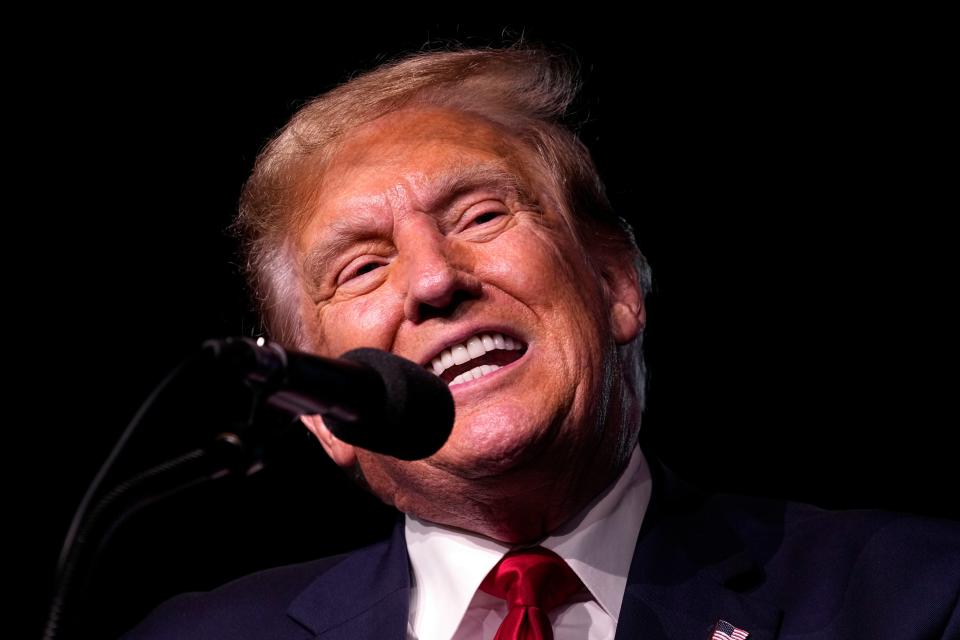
(473, 374)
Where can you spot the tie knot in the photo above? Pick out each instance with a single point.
(532, 578)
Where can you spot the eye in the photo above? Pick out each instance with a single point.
(358, 269)
(483, 220)
(486, 217)
(366, 268)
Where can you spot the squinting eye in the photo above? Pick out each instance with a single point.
(361, 269)
(489, 216)
(367, 268)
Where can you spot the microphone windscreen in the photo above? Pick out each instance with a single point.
(417, 416)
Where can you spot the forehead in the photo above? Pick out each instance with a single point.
(418, 154)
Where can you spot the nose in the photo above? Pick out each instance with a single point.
(437, 278)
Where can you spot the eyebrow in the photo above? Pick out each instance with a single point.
(454, 184)
(341, 235)
(366, 226)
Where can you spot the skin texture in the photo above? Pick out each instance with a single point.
(431, 226)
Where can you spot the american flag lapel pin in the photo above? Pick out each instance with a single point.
(726, 631)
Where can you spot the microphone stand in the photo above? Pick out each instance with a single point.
(231, 453)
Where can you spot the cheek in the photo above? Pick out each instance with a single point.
(560, 275)
(368, 316)
(531, 267)
(362, 322)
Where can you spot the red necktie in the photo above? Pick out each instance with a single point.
(532, 581)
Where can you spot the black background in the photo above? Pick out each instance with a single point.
(785, 182)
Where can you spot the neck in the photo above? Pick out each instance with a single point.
(522, 506)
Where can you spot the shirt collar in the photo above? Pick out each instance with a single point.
(449, 564)
(598, 543)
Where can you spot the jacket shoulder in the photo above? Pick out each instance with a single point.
(852, 570)
(253, 606)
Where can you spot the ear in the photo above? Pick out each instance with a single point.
(339, 451)
(628, 313)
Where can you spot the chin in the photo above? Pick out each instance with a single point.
(494, 443)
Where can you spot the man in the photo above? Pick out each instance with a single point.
(439, 209)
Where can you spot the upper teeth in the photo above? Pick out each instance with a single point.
(473, 348)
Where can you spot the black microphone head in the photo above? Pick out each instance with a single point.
(416, 418)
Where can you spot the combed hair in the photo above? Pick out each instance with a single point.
(527, 90)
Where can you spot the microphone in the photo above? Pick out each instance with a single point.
(369, 398)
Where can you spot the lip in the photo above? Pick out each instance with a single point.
(462, 335)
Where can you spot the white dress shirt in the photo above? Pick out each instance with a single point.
(448, 566)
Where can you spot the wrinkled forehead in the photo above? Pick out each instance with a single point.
(419, 157)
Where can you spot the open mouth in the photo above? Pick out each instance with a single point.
(479, 355)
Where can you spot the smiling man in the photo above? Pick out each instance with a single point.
(437, 237)
(438, 208)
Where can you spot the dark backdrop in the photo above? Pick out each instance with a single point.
(782, 181)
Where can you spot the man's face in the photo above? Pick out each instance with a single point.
(433, 238)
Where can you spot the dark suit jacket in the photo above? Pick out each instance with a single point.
(775, 569)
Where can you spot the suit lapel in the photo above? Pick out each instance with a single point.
(690, 610)
(366, 596)
(687, 571)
